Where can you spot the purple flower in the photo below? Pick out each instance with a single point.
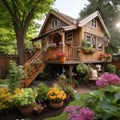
(75, 113)
(107, 79)
(87, 113)
(102, 83)
(79, 117)
(114, 79)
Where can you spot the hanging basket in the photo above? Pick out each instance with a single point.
(56, 105)
(26, 110)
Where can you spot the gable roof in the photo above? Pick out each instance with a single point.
(92, 16)
(73, 23)
(67, 19)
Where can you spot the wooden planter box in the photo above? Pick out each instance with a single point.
(87, 51)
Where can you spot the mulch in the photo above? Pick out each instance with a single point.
(47, 112)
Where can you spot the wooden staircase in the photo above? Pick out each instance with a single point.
(33, 67)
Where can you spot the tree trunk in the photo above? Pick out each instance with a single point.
(21, 47)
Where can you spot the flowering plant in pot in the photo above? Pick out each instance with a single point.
(24, 99)
(56, 95)
(6, 100)
(60, 54)
(38, 107)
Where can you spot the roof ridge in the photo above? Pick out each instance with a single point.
(71, 19)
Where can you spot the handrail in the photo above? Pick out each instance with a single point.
(73, 53)
(32, 64)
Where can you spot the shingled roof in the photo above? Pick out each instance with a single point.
(74, 23)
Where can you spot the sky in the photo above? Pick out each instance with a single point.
(70, 7)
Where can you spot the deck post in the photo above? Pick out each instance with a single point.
(70, 70)
(63, 41)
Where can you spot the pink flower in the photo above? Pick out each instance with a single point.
(107, 79)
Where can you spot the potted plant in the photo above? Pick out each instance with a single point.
(109, 57)
(24, 99)
(38, 108)
(103, 56)
(88, 49)
(42, 91)
(64, 84)
(56, 97)
(61, 55)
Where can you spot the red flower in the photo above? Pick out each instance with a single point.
(60, 54)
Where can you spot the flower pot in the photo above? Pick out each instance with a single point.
(26, 110)
(56, 105)
(39, 111)
(63, 59)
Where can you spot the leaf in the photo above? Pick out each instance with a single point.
(77, 96)
(117, 96)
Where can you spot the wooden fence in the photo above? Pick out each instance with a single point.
(4, 64)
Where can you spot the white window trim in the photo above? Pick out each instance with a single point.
(94, 23)
(54, 23)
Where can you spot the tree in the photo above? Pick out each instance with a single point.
(110, 12)
(19, 14)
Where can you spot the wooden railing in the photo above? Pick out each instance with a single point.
(33, 67)
(73, 53)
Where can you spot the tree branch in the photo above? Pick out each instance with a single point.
(30, 15)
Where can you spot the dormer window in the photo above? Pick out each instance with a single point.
(94, 23)
(54, 24)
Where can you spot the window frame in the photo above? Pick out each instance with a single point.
(54, 23)
(94, 23)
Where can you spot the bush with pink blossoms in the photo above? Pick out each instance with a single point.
(107, 79)
(78, 113)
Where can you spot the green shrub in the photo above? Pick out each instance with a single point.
(15, 76)
(111, 68)
(42, 91)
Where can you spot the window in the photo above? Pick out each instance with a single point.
(100, 44)
(54, 24)
(94, 23)
(89, 40)
(69, 37)
(94, 41)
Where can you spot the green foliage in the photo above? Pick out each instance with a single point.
(15, 76)
(83, 71)
(111, 68)
(110, 12)
(65, 84)
(42, 91)
(6, 100)
(24, 97)
(20, 17)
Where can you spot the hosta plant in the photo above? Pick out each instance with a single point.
(106, 100)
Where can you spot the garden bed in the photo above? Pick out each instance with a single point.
(47, 112)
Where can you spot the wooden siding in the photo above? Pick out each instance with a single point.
(91, 57)
(98, 31)
(50, 20)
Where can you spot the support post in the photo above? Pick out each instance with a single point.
(70, 70)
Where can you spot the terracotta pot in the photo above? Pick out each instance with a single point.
(56, 105)
(63, 59)
(26, 110)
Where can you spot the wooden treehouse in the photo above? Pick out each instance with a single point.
(68, 41)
